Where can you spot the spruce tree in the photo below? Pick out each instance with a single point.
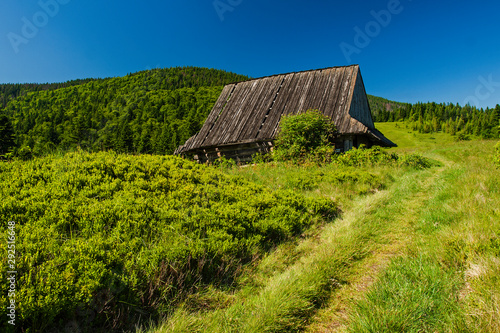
(6, 135)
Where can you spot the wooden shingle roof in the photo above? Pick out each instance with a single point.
(250, 111)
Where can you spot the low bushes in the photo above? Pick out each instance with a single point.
(377, 156)
(105, 239)
(361, 157)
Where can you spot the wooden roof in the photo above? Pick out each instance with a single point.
(250, 111)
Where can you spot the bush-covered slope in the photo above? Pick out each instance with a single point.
(148, 112)
(103, 240)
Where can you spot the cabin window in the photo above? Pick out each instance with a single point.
(348, 144)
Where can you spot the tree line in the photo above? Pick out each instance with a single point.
(462, 121)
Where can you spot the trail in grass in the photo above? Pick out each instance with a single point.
(345, 257)
(391, 217)
(406, 248)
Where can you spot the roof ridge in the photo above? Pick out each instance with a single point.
(299, 72)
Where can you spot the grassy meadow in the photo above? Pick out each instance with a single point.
(153, 244)
(413, 250)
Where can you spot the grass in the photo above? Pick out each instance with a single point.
(414, 251)
(341, 185)
(445, 279)
(408, 140)
(415, 294)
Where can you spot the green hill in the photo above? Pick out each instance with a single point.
(147, 112)
(382, 107)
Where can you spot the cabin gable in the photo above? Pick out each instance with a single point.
(245, 119)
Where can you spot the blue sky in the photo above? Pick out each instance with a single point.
(408, 50)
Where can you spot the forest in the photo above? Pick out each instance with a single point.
(460, 121)
(151, 111)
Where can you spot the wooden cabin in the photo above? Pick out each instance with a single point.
(245, 118)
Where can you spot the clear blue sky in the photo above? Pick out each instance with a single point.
(443, 51)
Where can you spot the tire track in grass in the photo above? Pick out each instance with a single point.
(399, 208)
(419, 290)
(338, 267)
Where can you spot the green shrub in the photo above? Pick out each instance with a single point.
(377, 156)
(106, 239)
(301, 134)
(368, 157)
(261, 158)
(25, 153)
(224, 163)
(322, 154)
(462, 136)
(415, 161)
(303, 182)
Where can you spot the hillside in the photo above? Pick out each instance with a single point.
(147, 112)
(380, 107)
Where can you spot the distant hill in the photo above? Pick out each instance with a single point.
(382, 108)
(11, 91)
(146, 112)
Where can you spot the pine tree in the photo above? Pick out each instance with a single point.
(124, 139)
(6, 135)
(495, 121)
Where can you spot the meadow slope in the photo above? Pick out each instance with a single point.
(436, 265)
(418, 253)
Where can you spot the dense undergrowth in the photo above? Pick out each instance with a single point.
(105, 239)
(356, 157)
(377, 156)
